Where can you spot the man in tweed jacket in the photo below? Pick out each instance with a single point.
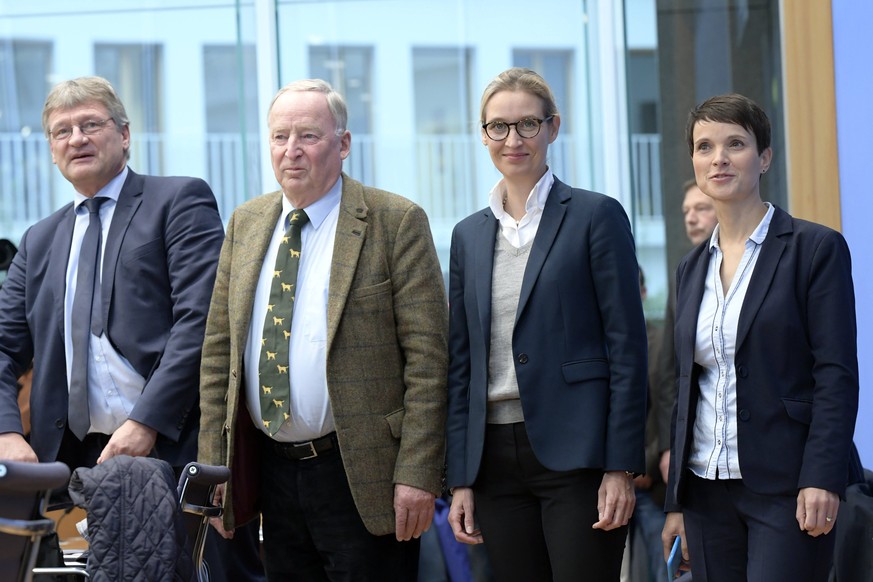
(347, 484)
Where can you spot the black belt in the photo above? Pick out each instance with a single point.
(306, 449)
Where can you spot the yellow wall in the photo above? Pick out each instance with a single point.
(811, 128)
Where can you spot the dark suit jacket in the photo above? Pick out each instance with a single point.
(796, 362)
(158, 269)
(579, 339)
(386, 352)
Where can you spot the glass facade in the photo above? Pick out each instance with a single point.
(197, 76)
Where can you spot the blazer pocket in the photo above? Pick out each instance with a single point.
(395, 422)
(377, 289)
(583, 370)
(799, 410)
(135, 254)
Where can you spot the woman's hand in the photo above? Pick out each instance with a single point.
(461, 517)
(817, 511)
(615, 500)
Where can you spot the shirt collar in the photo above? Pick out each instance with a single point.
(535, 200)
(758, 235)
(318, 210)
(111, 190)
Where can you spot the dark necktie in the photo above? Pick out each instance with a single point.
(83, 320)
(273, 366)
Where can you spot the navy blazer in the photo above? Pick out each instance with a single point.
(579, 339)
(159, 266)
(796, 362)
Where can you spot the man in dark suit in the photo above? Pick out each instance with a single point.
(131, 370)
(345, 474)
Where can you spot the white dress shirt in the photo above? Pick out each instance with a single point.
(520, 233)
(714, 450)
(311, 415)
(114, 386)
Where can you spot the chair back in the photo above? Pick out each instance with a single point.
(196, 488)
(24, 492)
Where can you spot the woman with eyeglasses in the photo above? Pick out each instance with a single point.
(547, 377)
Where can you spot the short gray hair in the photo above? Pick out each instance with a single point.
(335, 102)
(75, 92)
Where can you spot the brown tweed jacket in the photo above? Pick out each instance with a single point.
(386, 352)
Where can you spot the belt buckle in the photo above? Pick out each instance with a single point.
(312, 451)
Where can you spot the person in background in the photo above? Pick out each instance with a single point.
(323, 382)
(767, 367)
(646, 559)
(698, 214)
(547, 343)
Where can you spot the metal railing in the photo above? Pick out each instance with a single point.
(445, 172)
(646, 174)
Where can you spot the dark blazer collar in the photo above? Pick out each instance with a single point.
(129, 200)
(772, 249)
(765, 270)
(484, 239)
(553, 216)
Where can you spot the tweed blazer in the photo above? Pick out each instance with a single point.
(387, 326)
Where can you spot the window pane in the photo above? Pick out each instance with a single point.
(156, 56)
(425, 66)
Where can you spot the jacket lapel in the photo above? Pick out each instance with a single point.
(60, 257)
(351, 232)
(687, 313)
(484, 241)
(765, 269)
(553, 216)
(251, 241)
(129, 200)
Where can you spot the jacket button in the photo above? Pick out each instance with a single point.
(745, 414)
(59, 423)
(742, 371)
(522, 358)
(233, 373)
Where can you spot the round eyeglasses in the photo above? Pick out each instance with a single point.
(527, 128)
(90, 127)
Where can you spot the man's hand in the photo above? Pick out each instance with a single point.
(413, 511)
(13, 447)
(217, 522)
(817, 511)
(615, 500)
(132, 438)
(461, 517)
(664, 465)
(643, 482)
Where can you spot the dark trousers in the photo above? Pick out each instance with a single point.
(536, 523)
(735, 534)
(312, 529)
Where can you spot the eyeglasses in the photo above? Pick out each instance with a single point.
(527, 128)
(90, 127)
